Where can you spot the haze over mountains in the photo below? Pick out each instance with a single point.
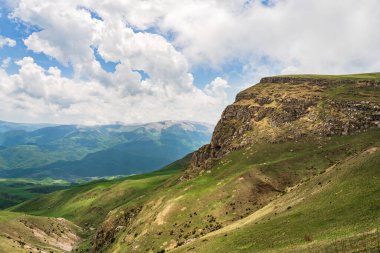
(6, 126)
(72, 151)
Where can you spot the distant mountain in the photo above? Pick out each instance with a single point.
(6, 126)
(72, 151)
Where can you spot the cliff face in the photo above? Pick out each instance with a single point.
(285, 108)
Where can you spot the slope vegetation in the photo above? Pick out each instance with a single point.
(324, 214)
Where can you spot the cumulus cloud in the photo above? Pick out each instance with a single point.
(217, 87)
(70, 33)
(38, 94)
(166, 39)
(295, 35)
(4, 41)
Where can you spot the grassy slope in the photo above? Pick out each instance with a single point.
(26, 233)
(184, 211)
(342, 202)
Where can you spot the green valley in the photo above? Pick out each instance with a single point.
(15, 191)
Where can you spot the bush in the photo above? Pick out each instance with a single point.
(308, 238)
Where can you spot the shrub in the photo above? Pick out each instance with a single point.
(308, 238)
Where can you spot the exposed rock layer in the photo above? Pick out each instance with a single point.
(285, 108)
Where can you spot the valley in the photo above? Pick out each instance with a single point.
(16, 190)
(41, 158)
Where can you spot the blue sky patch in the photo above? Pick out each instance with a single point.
(108, 66)
(142, 73)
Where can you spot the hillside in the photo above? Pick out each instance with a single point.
(293, 166)
(26, 233)
(336, 211)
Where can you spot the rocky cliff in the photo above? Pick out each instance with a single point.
(285, 108)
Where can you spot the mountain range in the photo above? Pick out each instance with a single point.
(70, 151)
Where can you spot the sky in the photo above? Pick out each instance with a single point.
(133, 61)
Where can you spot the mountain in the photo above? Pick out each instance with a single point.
(290, 108)
(71, 151)
(6, 126)
(292, 166)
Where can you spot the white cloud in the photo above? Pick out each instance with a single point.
(70, 34)
(40, 95)
(217, 87)
(4, 41)
(307, 36)
(5, 62)
(167, 39)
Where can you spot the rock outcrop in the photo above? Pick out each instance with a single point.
(287, 108)
(115, 222)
